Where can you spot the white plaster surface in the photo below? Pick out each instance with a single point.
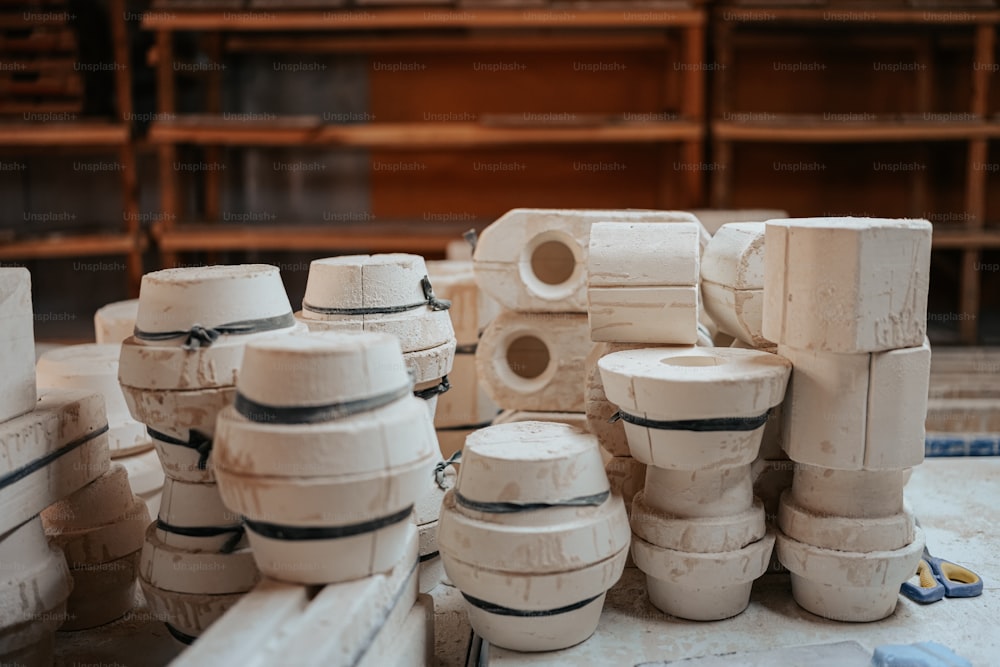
(632, 631)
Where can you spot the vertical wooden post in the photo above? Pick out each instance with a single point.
(722, 150)
(919, 181)
(975, 190)
(129, 177)
(693, 109)
(166, 152)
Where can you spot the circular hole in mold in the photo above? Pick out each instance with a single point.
(528, 357)
(553, 262)
(693, 360)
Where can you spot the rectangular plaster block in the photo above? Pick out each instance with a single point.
(825, 408)
(61, 427)
(897, 408)
(856, 411)
(535, 260)
(17, 353)
(846, 285)
(629, 254)
(280, 623)
(656, 315)
(535, 361)
(737, 312)
(466, 403)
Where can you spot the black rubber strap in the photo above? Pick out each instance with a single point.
(182, 637)
(206, 531)
(200, 336)
(438, 389)
(426, 557)
(471, 237)
(430, 301)
(468, 348)
(313, 414)
(197, 441)
(36, 465)
(510, 508)
(466, 427)
(701, 425)
(507, 611)
(441, 466)
(276, 531)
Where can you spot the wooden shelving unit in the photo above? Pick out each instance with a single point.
(673, 96)
(46, 96)
(924, 123)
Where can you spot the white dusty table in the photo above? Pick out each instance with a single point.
(957, 501)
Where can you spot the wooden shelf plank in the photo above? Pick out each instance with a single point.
(421, 18)
(422, 135)
(82, 133)
(804, 130)
(375, 236)
(960, 239)
(450, 42)
(833, 16)
(69, 246)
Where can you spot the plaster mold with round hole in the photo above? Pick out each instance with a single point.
(847, 585)
(599, 409)
(642, 282)
(535, 260)
(94, 368)
(701, 586)
(329, 472)
(62, 417)
(846, 285)
(697, 534)
(115, 322)
(34, 586)
(732, 274)
(18, 392)
(550, 562)
(857, 411)
(844, 533)
(683, 384)
(862, 494)
(535, 361)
